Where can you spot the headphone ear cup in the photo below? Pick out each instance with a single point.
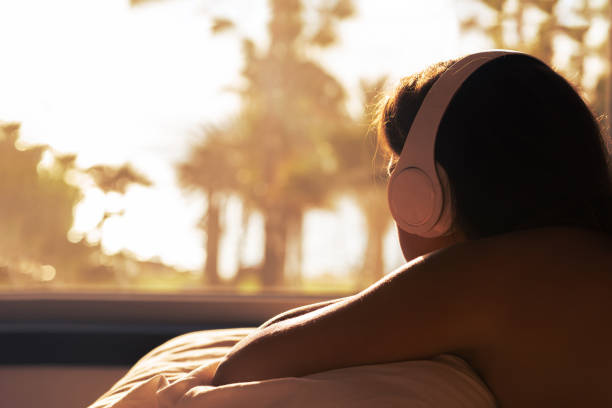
(445, 220)
(411, 198)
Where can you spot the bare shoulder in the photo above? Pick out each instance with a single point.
(542, 240)
(547, 297)
(550, 271)
(527, 270)
(502, 272)
(536, 278)
(534, 251)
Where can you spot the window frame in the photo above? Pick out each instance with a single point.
(117, 329)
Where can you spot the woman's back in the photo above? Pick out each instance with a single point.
(550, 303)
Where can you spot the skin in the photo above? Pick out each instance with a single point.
(412, 246)
(528, 310)
(298, 311)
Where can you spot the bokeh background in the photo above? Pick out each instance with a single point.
(202, 145)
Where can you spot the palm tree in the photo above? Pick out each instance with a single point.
(214, 167)
(363, 177)
(549, 30)
(290, 107)
(36, 206)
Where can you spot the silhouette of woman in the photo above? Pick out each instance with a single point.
(512, 273)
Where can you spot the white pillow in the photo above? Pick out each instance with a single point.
(177, 374)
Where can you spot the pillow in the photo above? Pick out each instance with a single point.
(177, 374)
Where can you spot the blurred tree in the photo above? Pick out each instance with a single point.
(363, 176)
(116, 179)
(111, 179)
(292, 107)
(508, 29)
(36, 207)
(278, 150)
(590, 13)
(214, 166)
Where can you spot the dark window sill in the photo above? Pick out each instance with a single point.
(118, 329)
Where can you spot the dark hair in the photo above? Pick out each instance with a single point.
(521, 148)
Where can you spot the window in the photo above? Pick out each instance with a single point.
(224, 147)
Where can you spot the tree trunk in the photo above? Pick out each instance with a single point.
(275, 229)
(212, 226)
(293, 259)
(373, 262)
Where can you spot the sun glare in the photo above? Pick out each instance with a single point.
(116, 84)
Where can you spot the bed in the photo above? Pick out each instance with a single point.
(177, 374)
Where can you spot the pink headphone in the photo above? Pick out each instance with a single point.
(418, 191)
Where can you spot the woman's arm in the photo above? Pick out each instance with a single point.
(430, 306)
(298, 311)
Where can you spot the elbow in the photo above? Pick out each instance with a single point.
(222, 374)
(238, 366)
(231, 371)
(258, 357)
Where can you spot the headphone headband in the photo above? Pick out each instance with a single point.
(417, 201)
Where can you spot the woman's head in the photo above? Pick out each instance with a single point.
(520, 147)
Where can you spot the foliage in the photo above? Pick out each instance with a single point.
(37, 209)
(510, 25)
(116, 179)
(277, 154)
(36, 206)
(363, 176)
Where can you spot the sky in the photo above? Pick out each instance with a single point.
(116, 84)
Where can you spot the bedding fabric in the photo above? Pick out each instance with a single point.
(177, 374)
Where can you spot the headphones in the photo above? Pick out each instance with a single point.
(418, 191)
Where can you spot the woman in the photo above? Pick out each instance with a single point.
(519, 281)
